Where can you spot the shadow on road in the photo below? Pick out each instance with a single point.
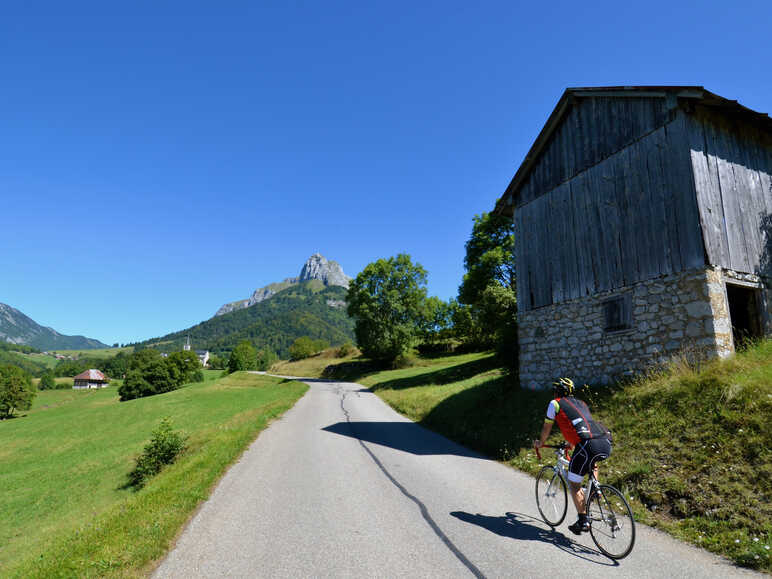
(522, 527)
(405, 436)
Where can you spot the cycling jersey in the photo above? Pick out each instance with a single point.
(574, 419)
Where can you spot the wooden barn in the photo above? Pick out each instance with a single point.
(90, 379)
(643, 220)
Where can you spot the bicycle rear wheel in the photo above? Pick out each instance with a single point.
(611, 522)
(551, 496)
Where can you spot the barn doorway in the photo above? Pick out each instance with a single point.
(744, 313)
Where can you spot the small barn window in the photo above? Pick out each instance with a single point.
(617, 314)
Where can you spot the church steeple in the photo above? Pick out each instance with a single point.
(186, 347)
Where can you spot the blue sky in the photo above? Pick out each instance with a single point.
(158, 159)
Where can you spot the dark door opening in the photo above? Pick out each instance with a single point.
(744, 313)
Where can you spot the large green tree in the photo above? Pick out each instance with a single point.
(16, 390)
(487, 316)
(388, 303)
(489, 257)
(243, 357)
(188, 365)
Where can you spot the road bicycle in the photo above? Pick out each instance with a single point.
(612, 526)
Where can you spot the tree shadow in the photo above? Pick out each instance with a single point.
(404, 436)
(444, 376)
(493, 417)
(525, 528)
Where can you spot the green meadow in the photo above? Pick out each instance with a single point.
(44, 359)
(65, 509)
(96, 353)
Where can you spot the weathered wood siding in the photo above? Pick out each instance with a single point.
(732, 165)
(629, 218)
(593, 129)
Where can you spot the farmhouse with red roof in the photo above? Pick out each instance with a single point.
(91, 379)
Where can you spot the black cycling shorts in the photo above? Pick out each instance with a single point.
(583, 455)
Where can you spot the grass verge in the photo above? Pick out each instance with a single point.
(313, 366)
(67, 510)
(692, 446)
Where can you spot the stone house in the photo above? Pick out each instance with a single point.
(90, 379)
(643, 220)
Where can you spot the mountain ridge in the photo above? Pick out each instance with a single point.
(18, 328)
(317, 267)
(307, 308)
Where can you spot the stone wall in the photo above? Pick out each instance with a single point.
(667, 316)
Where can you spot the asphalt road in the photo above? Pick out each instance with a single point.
(342, 486)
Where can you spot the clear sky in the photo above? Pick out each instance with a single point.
(158, 159)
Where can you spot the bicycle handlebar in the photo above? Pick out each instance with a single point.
(562, 445)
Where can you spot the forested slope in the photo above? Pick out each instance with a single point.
(300, 310)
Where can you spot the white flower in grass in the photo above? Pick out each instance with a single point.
(737, 540)
(755, 539)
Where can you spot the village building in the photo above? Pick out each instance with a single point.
(90, 379)
(643, 229)
(203, 355)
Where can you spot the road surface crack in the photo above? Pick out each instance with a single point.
(422, 507)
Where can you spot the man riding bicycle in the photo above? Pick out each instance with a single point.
(592, 442)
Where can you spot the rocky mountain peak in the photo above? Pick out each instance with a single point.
(328, 272)
(316, 267)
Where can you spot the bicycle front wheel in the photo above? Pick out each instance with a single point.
(551, 496)
(611, 522)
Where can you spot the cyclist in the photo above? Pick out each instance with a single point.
(592, 441)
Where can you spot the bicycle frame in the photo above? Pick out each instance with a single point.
(592, 482)
(604, 505)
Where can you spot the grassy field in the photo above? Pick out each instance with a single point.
(44, 359)
(311, 367)
(66, 510)
(97, 353)
(693, 447)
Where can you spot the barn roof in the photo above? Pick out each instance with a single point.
(505, 204)
(91, 375)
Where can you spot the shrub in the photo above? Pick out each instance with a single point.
(47, 382)
(303, 347)
(345, 350)
(164, 447)
(266, 358)
(16, 390)
(243, 357)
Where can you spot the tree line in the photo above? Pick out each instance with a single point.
(392, 312)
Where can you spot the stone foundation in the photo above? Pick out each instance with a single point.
(668, 316)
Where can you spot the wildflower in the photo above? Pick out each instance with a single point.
(737, 540)
(755, 539)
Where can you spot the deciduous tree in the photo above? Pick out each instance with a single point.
(388, 303)
(243, 357)
(16, 390)
(488, 313)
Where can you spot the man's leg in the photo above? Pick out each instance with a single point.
(577, 494)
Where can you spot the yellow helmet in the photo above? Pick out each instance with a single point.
(564, 387)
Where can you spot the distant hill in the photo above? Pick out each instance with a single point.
(307, 308)
(317, 267)
(17, 328)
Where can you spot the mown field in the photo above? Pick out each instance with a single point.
(66, 509)
(692, 446)
(44, 359)
(98, 353)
